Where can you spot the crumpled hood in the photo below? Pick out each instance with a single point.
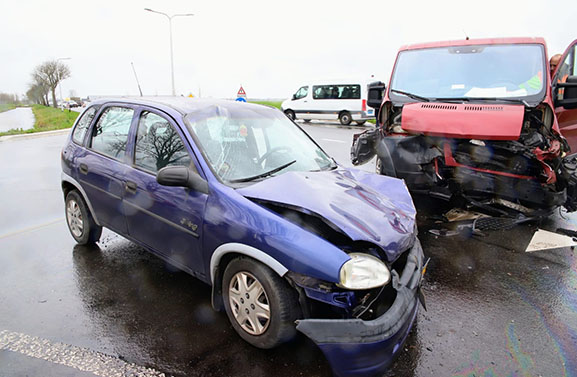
(364, 206)
(464, 121)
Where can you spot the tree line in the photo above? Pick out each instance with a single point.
(45, 80)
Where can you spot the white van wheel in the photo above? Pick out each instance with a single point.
(290, 114)
(345, 118)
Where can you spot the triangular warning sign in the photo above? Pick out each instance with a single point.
(241, 92)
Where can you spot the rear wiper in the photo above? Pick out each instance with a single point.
(411, 95)
(469, 99)
(263, 175)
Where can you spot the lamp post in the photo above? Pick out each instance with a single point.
(170, 32)
(59, 84)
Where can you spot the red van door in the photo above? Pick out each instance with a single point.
(564, 85)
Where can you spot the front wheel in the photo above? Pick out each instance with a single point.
(345, 118)
(360, 122)
(261, 306)
(80, 222)
(290, 114)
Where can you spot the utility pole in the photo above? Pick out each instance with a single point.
(170, 33)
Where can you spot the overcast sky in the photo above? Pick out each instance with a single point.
(270, 47)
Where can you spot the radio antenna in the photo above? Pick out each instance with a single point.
(136, 77)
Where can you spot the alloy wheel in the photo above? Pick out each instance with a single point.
(74, 218)
(249, 303)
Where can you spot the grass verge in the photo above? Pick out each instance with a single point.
(47, 119)
(6, 107)
(268, 103)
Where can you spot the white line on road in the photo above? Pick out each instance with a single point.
(335, 141)
(82, 359)
(29, 229)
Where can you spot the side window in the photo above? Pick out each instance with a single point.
(82, 125)
(110, 134)
(302, 92)
(567, 68)
(158, 144)
(321, 92)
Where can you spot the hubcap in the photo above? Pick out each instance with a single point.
(249, 303)
(74, 218)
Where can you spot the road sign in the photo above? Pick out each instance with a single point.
(240, 99)
(241, 93)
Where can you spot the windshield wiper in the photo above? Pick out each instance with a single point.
(332, 166)
(469, 99)
(413, 96)
(263, 175)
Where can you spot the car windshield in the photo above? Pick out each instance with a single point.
(481, 71)
(243, 143)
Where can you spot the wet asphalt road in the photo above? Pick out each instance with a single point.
(493, 309)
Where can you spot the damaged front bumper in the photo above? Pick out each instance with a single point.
(355, 347)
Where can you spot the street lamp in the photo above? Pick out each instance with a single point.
(59, 84)
(170, 31)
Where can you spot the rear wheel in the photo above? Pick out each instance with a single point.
(261, 306)
(307, 120)
(290, 114)
(80, 222)
(345, 118)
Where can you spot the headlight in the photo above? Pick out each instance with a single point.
(363, 271)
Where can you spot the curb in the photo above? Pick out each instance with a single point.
(34, 135)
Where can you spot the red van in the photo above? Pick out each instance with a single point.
(480, 123)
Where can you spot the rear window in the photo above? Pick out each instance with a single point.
(82, 125)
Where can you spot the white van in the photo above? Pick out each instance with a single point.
(345, 100)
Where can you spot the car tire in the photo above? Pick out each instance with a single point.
(360, 122)
(248, 315)
(345, 118)
(307, 120)
(80, 222)
(290, 114)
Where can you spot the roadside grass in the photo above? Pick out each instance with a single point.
(47, 119)
(6, 107)
(275, 104)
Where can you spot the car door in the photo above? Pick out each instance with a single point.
(564, 79)
(101, 166)
(300, 102)
(166, 219)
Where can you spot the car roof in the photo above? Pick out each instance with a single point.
(469, 42)
(181, 105)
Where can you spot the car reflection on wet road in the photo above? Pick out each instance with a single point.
(493, 309)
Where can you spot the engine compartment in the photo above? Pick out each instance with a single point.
(531, 173)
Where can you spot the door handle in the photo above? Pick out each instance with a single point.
(83, 168)
(131, 187)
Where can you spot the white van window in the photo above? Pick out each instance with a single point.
(302, 92)
(337, 92)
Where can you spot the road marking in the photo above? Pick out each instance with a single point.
(29, 229)
(335, 141)
(82, 359)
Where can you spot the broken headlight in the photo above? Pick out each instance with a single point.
(363, 271)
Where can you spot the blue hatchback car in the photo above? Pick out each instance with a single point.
(240, 197)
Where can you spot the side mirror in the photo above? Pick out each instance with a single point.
(569, 100)
(294, 97)
(181, 176)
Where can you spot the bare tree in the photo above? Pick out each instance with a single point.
(37, 93)
(51, 73)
